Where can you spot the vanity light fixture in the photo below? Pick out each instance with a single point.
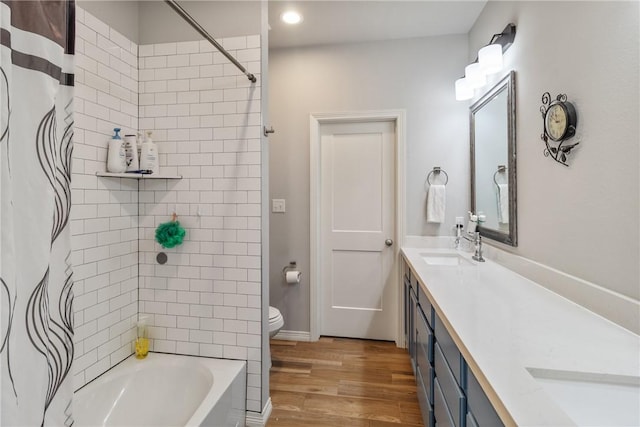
(291, 17)
(490, 58)
(489, 61)
(463, 90)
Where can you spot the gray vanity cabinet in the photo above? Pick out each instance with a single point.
(481, 411)
(449, 394)
(410, 307)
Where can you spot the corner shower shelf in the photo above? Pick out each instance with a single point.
(137, 175)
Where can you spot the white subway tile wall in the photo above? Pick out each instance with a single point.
(205, 116)
(104, 212)
(206, 120)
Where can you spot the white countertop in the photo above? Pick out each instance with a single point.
(504, 323)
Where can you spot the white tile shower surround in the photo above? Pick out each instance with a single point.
(104, 214)
(206, 120)
(206, 300)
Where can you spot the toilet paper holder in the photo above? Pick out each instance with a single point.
(292, 266)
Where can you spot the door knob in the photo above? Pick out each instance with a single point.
(388, 242)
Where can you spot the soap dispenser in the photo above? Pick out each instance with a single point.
(142, 340)
(149, 155)
(116, 157)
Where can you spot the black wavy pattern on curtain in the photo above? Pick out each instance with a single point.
(5, 340)
(5, 105)
(6, 113)
(50, 338)
(62, 182)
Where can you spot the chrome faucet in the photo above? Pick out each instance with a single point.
(477, 241)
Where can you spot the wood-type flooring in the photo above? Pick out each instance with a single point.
(339, 382)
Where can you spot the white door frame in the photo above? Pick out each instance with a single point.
(315, 120)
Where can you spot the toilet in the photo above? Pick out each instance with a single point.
(275, 321)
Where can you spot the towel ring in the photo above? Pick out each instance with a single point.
(436, 170)
(501, 169)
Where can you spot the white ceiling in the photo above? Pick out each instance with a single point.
(342, 21)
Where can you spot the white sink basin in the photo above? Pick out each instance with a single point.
(593, 399)
(444, 258)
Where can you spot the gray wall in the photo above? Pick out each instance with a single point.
(416, 75)
(582, 220)
(120, 15)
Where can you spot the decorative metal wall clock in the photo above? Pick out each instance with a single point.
(559, 124)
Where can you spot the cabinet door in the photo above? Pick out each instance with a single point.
(426, 409)
(479, 405)
(451, 353)
(406, 271)
(426, 306)
(471, 421)
(453, 394)
(424, 353)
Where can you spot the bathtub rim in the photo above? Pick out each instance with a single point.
(224, 371)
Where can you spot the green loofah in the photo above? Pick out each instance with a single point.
(170, 234)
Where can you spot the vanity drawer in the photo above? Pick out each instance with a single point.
(424, 398)
(440, 409)
(451, 353)
(480, 405)
(413, 312)
(429, 313)
(424, 335)
(453, 394)
(425, 372)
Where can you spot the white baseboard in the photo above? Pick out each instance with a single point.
(293, 335)
(259, 419)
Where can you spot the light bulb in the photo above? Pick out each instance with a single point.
(291, 17)
(490, 58)
(463, 91)
(474, 75)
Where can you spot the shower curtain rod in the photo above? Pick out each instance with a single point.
(183, 13)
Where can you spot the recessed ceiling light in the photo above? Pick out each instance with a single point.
(291, 17)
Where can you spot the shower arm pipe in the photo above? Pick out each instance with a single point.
(185, 15)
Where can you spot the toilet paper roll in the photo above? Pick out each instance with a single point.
(293, 276)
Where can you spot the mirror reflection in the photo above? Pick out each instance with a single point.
(493, 178)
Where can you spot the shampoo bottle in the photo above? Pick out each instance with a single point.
(142, 340)
(131, 153)
(116, 158)
(149, 155)
(139, 144)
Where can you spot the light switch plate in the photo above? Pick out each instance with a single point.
(278, 205)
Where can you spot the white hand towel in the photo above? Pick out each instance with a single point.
(436, 202)
(503, 203)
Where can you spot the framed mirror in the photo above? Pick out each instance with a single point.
(493, 161)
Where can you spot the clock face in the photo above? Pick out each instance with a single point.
(556, 122)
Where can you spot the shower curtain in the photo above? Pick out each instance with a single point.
(36, 128)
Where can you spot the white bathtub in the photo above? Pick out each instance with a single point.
(165, 390)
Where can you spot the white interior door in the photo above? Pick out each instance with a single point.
(357, 205)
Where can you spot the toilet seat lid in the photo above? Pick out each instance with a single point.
(274, 313)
